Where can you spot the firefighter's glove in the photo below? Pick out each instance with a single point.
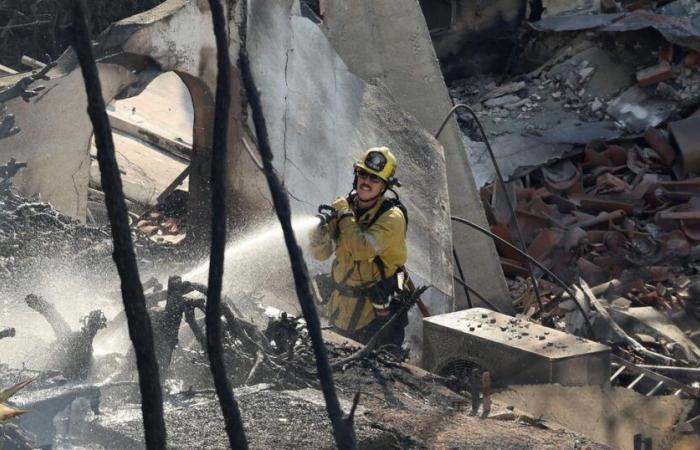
(381, 310)
(326, 214)
(342, 208)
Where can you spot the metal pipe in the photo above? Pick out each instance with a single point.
(502, 184)
(558, 280)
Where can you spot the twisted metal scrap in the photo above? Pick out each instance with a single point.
(215, 350)
(139, 322)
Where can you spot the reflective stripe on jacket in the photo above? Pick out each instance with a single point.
(355, 248)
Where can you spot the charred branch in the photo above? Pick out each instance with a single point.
(342, 429)
(138, 320)
(72, 351)
(215, 350)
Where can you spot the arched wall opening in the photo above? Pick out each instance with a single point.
(162, 138)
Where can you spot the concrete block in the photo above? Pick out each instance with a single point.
(513, 350)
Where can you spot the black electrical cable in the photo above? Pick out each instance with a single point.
(215, 350)
(461, 275)
(475, 292)
(502, 184)
(558, 280)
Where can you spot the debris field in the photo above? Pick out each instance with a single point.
(583, 146)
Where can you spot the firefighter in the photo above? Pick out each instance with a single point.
(367, 233)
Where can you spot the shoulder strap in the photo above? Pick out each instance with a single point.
(386, 205)
(380, 265)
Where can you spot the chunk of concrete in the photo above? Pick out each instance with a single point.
(639, 110)
(146, 170)
(164, 108)
(610, 416)
(610, 77)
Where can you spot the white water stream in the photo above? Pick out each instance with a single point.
(256, 271)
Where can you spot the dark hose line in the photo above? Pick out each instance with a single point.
(475, 292)
(502, 184)
(461, 276)
(558, 280)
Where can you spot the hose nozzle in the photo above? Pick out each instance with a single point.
(326, 213)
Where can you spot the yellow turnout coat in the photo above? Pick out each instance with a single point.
(356, 247)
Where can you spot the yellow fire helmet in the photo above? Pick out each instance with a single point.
(378, 161)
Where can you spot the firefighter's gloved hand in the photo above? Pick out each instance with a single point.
(326, 214)
(342, 207)
(381, 310)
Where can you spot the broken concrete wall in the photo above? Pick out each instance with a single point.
(177, 35)
(54, 134)
(321, 117)
(174, 36)
(388, 42)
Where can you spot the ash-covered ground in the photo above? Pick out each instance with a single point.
(271, 368)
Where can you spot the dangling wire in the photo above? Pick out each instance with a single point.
(502, 185)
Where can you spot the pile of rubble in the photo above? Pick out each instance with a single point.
(31, 230)
(274, 380)
(597, 138)
(38, 28)
(587, 83)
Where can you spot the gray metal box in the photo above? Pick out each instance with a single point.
(513, 350)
